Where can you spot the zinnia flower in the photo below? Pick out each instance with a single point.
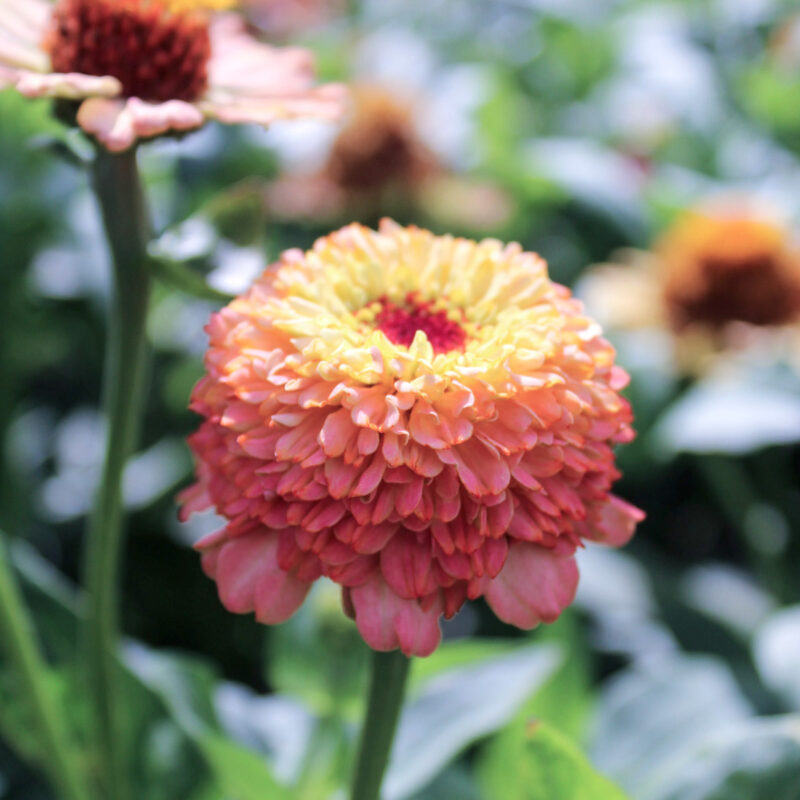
(717, 273)
(728, 267)
(378, 163)
(422, 420)
(141, 68)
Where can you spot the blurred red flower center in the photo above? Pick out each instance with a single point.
(156, 54)
(400, 323)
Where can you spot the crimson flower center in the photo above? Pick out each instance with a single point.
(400, 323)
(155, 53)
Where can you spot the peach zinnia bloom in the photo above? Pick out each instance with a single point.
(142, 68)
(422, 420)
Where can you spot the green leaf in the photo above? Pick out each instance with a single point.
(533, 761)
(458, 653)
(187, 688)
(17, 725)
(168, 700)
(564, 700)
(240, 773)
(777, 653)
(318, 656)
(455, 782)
(459, 707)
(759, 760)
(657, 715)
(756, 761)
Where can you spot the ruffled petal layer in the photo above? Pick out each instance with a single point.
(119, 123)
(251, 82)
(248, 576)
(69, 86)
(388, 622)
(535, 585)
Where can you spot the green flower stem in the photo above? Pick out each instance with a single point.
(387, 688)
(19, 642)
(119, 192)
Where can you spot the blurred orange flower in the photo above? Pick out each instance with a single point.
(720, 277)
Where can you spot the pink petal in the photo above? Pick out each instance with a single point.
(193, 499)
(8, 77)
(26, 19)
(249, 579)
(407, 566)
(72, 85)
(119, 123)
(388, 622)
(615, 523)
(242, 65)
(322, 102)
(481, 470)
(534, 586)
(22, 55)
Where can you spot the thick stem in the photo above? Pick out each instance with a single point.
(30, 669)
(387, 688)
(119, 192)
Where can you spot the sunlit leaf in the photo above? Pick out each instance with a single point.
(757, 760)
(533, 761)
(654, 716)
(457, 708)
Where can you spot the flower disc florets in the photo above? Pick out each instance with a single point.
(469, 461)
(156, 53)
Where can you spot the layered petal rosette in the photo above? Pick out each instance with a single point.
(422, 420)
(142, 68)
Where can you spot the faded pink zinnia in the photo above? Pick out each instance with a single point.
(422, 420)
(142, 68)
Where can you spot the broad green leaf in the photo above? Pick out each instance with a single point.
(654, 716)
(319, 657)
(564, 700)
(310, 754)
(55, 603)
(716, 416)
(757, 760)
(186, 686)
(533, 761)
(168, 701)
(777, 654)
(458, 653)
(459, 707)
(455, 782)
(17, 726)
(240, 773)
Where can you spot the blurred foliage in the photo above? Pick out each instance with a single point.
(576, 128)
